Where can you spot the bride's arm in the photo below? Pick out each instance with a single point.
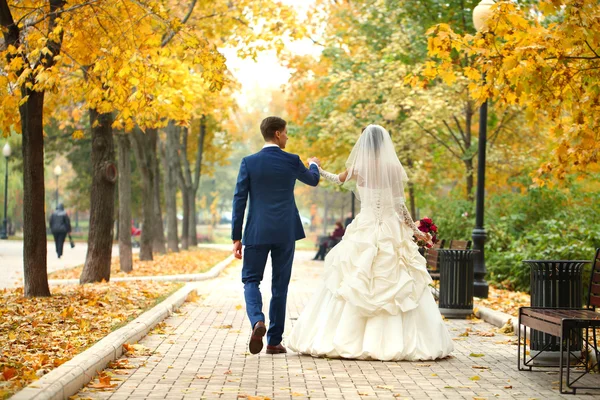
(337, 179)
(405, 215)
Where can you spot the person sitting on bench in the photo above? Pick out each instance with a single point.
(328, 242)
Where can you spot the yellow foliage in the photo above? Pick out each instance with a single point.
(549, 69)
(139, 59)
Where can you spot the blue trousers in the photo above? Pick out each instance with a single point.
(255, 259)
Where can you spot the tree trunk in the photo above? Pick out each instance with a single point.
(102, 204)
(192, 237)
(35, 272)
(411, 191)
(170, 188)
(143, 161)
(125, 254)
(185, 231)
(169, 155)
(411, 197)
(184, 178)
(158, 238)
(470, 180)
(196, 181)
(469, 111)
(31, 109)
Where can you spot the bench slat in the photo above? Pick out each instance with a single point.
(540, 325)
(556, 316)
(542, 313)
(595, 301)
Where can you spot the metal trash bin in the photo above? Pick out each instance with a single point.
(456, 283)
(555, 283)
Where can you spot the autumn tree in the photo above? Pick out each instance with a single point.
(32, 41)
(112, 58)
(369, 48)
(542, 57)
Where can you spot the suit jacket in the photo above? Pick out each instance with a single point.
(268, 178)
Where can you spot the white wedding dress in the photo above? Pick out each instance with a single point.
(374, 302)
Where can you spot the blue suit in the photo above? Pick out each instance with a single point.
(273, 225)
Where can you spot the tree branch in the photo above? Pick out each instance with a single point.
(501, 126)
(596, 57)
(433, 135)
(56, 13)
(316, 42)
(590, 47)
(169, 36)
(456, 139)
(462, 133)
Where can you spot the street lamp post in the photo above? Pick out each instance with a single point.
(481, 14)
(6, 152)
(57, 173)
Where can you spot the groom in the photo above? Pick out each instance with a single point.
(273, 226)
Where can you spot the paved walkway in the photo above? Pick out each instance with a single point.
(11, 260)
(201, 353)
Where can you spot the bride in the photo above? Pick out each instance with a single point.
(374, 302)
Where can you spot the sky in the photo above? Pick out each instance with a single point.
(267, 72)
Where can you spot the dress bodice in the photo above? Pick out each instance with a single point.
(379, 203)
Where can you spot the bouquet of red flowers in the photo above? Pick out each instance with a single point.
(426, 225)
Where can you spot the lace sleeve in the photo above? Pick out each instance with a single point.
(405, 216)
(330, 177)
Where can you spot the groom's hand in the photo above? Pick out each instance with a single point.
(315, 160)
(237, 249)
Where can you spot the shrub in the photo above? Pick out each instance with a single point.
(541, 223)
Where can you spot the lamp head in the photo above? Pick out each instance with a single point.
(57, 170)
(482, 13)
(6, 150)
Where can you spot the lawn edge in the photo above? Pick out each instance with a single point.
(212, 273)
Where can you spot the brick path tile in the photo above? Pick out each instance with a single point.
(201, 357)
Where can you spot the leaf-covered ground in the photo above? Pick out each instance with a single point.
(185, 262)
(39, 334)
(505, 301)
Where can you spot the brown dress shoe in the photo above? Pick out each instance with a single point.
(256, 340)
(276, 349)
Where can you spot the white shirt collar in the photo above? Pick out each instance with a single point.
(270, 145)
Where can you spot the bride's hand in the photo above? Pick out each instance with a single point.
(426, 237)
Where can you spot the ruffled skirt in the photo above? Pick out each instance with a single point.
(374, 302)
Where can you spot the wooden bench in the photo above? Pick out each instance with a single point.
(567, 324)
(460, 245)
(433, 256)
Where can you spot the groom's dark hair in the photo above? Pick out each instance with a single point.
(270, 125)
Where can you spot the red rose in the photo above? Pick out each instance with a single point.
(426, 220)
(434, 228)
(423, 228)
